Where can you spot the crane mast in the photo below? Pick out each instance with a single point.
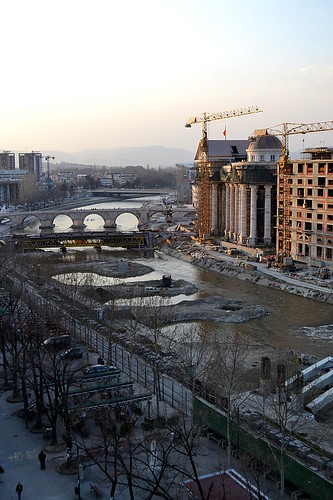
(204, 216)
(284, 187)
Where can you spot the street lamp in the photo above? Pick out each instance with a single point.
(47, 158)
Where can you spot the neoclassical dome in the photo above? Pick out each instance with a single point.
(264, 142)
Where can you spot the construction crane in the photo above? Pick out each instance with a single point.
(204, 217)
(284, 187)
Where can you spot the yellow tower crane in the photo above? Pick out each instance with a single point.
(204, 216)
(284, 186)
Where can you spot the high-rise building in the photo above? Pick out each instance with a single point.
(32, 162)
(7, 160)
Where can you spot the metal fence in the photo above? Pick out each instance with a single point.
(170, 391)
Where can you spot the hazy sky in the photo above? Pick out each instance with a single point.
(78, 74)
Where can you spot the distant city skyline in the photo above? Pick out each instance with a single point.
(80, 75)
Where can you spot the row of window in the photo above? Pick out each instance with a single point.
(308, 168)
(308, 215)
(321, 181)
(308, 226)
(322, 253)
(309, 191)
(262, 158)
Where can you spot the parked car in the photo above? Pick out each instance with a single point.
(57, 342)
(102, 369)
(72, 353)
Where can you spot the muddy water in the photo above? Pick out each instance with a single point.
(292, 322)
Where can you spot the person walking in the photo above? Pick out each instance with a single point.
(42, 458)
(19, 489)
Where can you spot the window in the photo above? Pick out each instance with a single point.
(299, 215)
(300, 248)
(320, 192)
(272, 157)
(321, 181)
(330, 193)
(262, 157)
(319, 252)
(329, 228)
(319, 227)
(329, 217)
(253, 158)
(300, 192)
(320, 216)
(329, 253)
(320, 205)
(308, 215)
(330, 182)
(309, 182)
(309, 168)
(330, 169)
(329, 207)
(309, 191)
(321, 168)
(299, 181)
(300, 168)
(308, 226)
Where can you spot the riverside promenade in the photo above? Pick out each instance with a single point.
(19, 457)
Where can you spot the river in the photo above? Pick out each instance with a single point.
(292, 322)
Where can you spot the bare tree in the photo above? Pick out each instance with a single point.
(195, 351)
(228, 374)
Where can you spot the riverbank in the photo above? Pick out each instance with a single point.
(258, 273)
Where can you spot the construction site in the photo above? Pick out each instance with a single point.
(250, 192)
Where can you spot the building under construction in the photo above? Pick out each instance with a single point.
(242, 188)
(252, 194)
(309, 219)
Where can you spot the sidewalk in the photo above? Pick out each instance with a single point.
(19, 458)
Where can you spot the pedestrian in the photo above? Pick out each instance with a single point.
(19, 489)
(42, 458)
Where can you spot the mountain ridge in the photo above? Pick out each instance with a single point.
(154, 156)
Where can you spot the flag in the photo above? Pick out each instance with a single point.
(225, 133)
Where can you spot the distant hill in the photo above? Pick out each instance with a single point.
(154, 156)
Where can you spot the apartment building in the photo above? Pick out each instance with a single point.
(7, 160)
(311, 185)
(32, 162)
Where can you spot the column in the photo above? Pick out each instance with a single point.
(253, 216)
(243, 214)
(268, 215)
(214, 208)
(227, 210)
(232, 212)
(223, 208)
(236, 228)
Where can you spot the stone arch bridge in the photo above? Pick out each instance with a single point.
(78, 217)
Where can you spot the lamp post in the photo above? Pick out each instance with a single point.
(47, 158)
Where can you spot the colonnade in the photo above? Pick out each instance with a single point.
(238, 213)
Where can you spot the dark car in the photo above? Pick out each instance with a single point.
(57, 342)
(102, 369)
(73, 353)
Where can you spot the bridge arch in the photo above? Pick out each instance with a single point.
(62, 221)
(94, 221)
(127, 220)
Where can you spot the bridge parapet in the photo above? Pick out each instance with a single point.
(47, 217)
